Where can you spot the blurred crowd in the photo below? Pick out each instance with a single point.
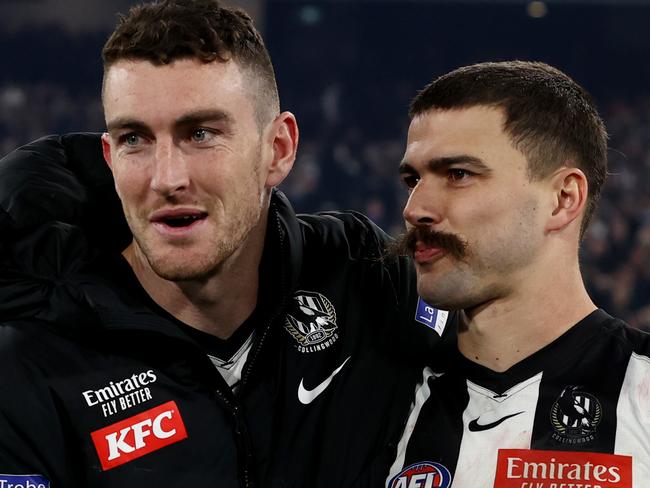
(344, 163)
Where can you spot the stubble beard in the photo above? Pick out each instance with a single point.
(484, 271)
(224, 243)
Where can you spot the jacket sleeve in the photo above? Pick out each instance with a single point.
(32, 439)
(63, 179)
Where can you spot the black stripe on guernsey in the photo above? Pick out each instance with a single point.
(588, 389)
(439, 440)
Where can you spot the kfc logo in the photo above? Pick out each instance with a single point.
(141, 434)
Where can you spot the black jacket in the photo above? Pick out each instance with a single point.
(100, 389)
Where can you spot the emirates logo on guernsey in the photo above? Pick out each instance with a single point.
(141, 434)
(522, 468)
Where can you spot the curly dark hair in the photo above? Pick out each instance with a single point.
(549, 117)
(165, 31)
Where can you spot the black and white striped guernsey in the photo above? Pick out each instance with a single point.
(576, 414)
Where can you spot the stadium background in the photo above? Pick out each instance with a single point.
(348, 69)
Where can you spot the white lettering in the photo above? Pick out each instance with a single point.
(157, 426)
(109, 408)
(575, 473)
(419, 480)
(141, 430)
(401, 482)
(512, 466)
(614, 472)
(140, 433)
(88, 396)
(152, 376)
(117, 446)
(536, 468)
(5, 484)
(114, 389)
(599, 471)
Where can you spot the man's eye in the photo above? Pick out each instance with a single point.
(410, 181)
(457, 174)
(130, 139)
(201, 135)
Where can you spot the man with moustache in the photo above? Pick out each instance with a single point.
(504, 164)
(218, 339)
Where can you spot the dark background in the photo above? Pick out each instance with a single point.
(348, 70)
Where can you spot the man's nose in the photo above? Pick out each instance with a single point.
(170, 171)
(423, 205)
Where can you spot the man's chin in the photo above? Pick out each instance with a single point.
(183, 270)
(442, 295)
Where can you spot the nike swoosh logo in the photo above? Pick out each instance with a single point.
(307, 396)
(474, 426)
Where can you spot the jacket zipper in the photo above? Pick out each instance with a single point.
(248, 483)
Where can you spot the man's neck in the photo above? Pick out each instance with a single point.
(505, 331)
(217, 305)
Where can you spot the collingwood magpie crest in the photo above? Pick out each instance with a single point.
(575, 416)
(312, 322)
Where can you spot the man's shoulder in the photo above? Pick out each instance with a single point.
(628, 337)
(25, 341)
(348, 231)
(29, 353)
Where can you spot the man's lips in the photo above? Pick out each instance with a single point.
(424, 254)
(177, 219)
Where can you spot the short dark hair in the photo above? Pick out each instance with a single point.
(549, 117)
(165, 31)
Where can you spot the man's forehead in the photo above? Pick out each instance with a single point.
(458, 125)
(459, 117)
(132, 69)
(475, 131)
(140, 89)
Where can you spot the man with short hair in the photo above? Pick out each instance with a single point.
(218, 339)
(504, 164)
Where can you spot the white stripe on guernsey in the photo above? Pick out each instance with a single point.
(422, 393)
(477, 458)
(633, 419)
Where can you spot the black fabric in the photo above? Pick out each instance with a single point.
(82, 350)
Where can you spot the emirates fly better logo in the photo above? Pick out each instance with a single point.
(523, 468)
(141, 434)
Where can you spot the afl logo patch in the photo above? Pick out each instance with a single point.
(425, 474)
(311, 321)
(575, 415)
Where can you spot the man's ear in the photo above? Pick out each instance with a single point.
(570, 190)
(284, 141)
(106, 150)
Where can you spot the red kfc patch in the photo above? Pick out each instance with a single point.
(523, 468)
(141, 434)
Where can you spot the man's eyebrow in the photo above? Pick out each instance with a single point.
(191, 118)
(436, 164)
(202, 116)
(126, 123)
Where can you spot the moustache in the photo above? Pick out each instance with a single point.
(405, 244)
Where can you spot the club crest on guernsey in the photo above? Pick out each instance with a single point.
(424, 474)
(575, 416)
(311, 321)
